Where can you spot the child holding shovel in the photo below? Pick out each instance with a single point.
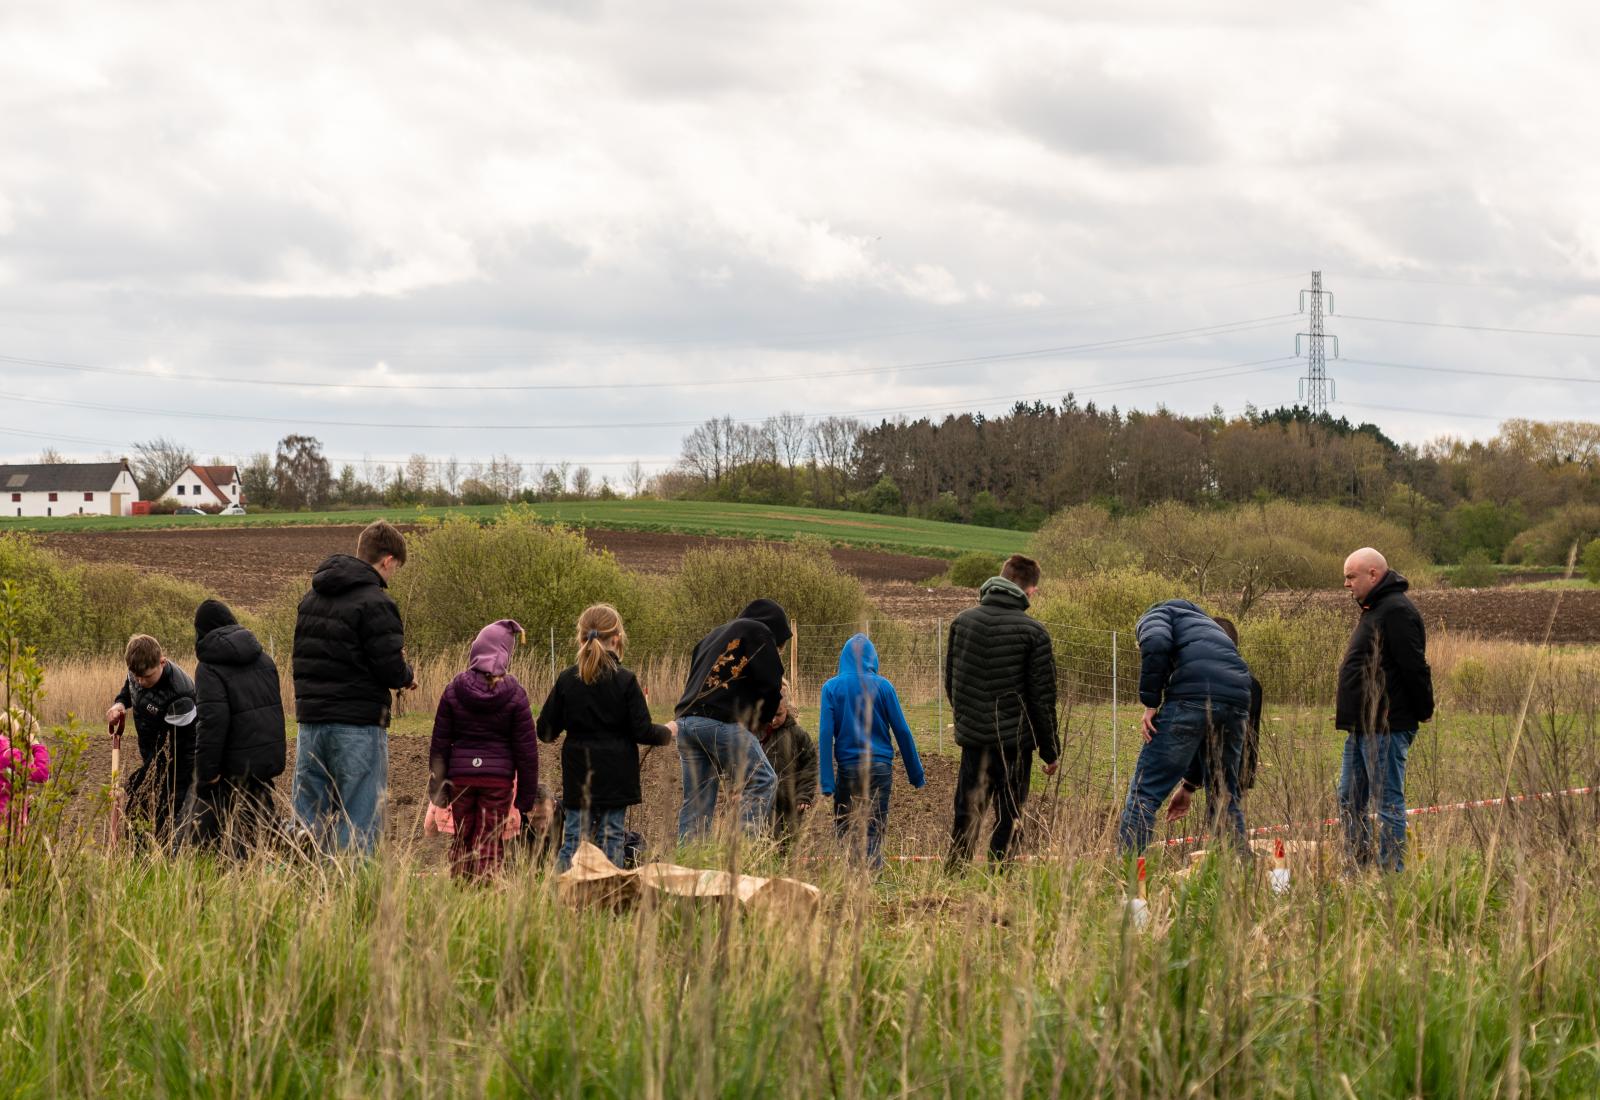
(599, 705)
(158, 787)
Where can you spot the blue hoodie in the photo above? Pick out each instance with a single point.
(859, 711)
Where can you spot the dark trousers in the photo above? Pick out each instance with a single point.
(861, 807)
(234, 814)
(998, 774)
(158, 788)
(480, 809)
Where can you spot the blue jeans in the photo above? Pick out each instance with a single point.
(341, 774)
(709, 749)
(606, 829)
(861, 790)
(1184, 729)
(1374, 777)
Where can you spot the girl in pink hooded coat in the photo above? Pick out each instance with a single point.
(484, 755)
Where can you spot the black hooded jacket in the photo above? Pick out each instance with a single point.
(240, 724)
(736, 673)
(349, 646)
(1384, 682)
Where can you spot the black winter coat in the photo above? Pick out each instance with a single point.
(149, 709)
(1184, 655)
(349, 646)
(605, 723)
(1385, 682)
(1000, 674)
(736, 671)
(240, 720)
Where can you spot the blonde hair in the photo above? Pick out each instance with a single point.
(598, 626)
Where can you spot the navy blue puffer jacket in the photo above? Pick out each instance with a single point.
(1184, 655)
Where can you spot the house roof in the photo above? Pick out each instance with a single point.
(212, 477)
(66, 477)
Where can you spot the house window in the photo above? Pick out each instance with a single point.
(52, 498)
(88, 496)
(180, 490)
(16, 498)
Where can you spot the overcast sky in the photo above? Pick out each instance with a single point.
(788, 197)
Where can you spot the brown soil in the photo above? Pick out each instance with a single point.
(248, 566)
(1515, 614)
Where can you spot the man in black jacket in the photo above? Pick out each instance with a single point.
(157, 789)
(734, 687)
(239, 746)
(349, 653)
(1000, 677)
(1385, 693)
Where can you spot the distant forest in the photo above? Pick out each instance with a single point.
(1517, 497)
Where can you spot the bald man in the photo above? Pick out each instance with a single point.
(1385, 693)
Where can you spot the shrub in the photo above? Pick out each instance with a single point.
(1475, 571)
(972, 569)
(461, 576)
(1296, 657)
(1550, 542)
(1591, 561)
(91, 608)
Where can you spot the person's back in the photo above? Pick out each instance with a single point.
(735, 686)
(1000, 673)
(1000, 678)
(239, 741)
(861, 722)
(349, 654)
(1186, 656)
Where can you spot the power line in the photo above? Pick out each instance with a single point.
(1224, 328)
(1469, 328)
(1203, 374)
(1475, 372)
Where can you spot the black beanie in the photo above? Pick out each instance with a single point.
(771, 615)
(210, 615)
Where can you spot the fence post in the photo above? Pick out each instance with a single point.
(1115, 774)
(552, 656)
(938, 683)
(794, 661)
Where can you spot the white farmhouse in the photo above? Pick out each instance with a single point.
(201, 486)
(67, 489)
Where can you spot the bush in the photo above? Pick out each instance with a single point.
(1591, 561)
(461, 576)
(1475, 571)
(1550, 542)
(972, 569)
(1296, 657)
(714, 585)
(91, 609)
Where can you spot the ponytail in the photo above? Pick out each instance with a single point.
(601, 639)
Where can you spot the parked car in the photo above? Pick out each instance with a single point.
(233, 510)
(188, 512)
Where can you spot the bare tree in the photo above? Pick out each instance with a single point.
(706, 450)
(157, 463)
(452, 476)
(789, 437)
(582, 481)
(419, 473)
(50, 457)
(635, 477)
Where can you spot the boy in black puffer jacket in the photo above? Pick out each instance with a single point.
(156, 790)
(240, 743)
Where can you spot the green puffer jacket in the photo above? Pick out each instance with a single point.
(1000, 674)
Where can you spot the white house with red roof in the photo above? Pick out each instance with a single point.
(207, 486)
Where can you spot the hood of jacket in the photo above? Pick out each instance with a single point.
(228, 645)
(1391, 584)
(476, 694)
(858, 656)
(999, 592)
(342, 572)
(770, 614)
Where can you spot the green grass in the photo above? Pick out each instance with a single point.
(752, 521)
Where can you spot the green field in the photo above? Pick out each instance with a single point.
(758, 521)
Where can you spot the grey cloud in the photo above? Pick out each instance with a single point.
(1084, 112)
